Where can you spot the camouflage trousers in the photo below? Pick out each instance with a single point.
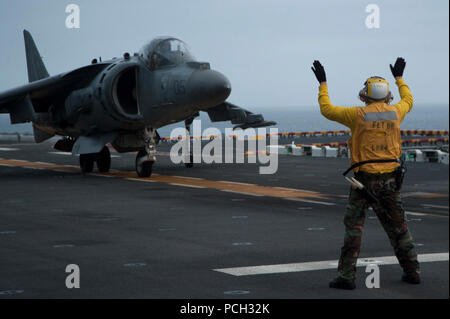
(391, 215)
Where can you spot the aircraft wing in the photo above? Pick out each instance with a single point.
(22, 102)
(237, 115)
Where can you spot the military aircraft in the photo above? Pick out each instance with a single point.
(122, 101)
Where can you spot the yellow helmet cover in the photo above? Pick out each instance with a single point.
(375, 89)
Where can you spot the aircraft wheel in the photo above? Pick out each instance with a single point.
(87, 163)
(104, 160)
(143, 169)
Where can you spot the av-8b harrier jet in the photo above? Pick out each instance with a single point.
(122, 101)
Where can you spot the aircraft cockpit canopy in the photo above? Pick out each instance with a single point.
(164, 52)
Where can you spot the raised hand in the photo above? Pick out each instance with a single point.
(319, 71)
(398, 68)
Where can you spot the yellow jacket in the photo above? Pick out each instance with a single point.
(374, 136)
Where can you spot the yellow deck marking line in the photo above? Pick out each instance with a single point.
(188, 177)
(306, 191)
(186, 185)
(178, 180)
(222, 185)
(237, 183)
(39, 165)
(257, 190)
(242, 193)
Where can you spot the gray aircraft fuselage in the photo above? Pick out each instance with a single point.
(122, 101)
(126, 95)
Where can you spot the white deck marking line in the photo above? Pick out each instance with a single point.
(243, 193)
(61, 153)
(322, 265)
(426, 214)
(423, 194)
(418, 213)
(8, 149)
(415, 213)
(434, 206)
(186, 185)
(310, 201)
(70, 154)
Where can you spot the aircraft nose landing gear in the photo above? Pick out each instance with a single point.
(187, 124)
(147, 157)
(143, 165)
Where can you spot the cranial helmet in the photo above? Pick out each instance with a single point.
(376, 89)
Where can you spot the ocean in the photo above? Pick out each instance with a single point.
(292, 119)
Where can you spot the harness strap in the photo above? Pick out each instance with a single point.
(368, 162)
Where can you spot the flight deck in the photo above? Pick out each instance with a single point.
(210, 231)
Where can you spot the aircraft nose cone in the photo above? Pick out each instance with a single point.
(208, 88)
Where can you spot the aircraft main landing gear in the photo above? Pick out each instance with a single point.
(103, 159)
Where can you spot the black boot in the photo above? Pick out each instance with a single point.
(411, 278)
(341, 283)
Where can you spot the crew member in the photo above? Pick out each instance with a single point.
(375, 145)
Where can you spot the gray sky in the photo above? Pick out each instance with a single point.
(265, 47)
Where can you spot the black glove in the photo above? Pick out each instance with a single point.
(399, 66)
(319, 71)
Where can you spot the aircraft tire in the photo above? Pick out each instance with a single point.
(104, 160)
(144, 169)
(87, 163)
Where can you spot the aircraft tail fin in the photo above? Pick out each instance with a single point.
(35, 65)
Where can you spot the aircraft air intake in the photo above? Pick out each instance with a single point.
(125, 92)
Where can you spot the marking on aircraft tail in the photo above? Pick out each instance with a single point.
(322, 265)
